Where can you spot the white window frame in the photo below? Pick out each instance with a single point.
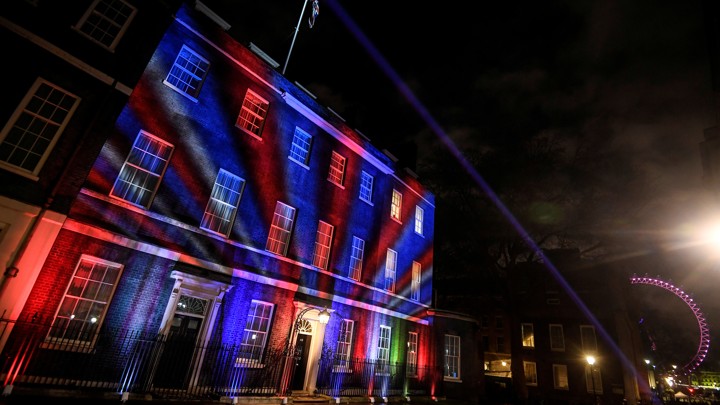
(252, 115)
(300, 148)
(343, 349)
(527, 334)
(396, 206)
(336, 172)
(390, 270)
(143, 170)
(415, 281)
(557, 341)
(257, 324)
(84, 314)
(222, 205)
(530, 369)
(281, 228)
(357, 252)
(412, 354)
(38, 106)
(323, 245)
(383, 350)
(366, 187)
(92, 24)
(419, 220)
(188, 73)
(588, 339)
(452, 358)
(560, 377)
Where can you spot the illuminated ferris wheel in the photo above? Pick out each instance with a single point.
(704, 342)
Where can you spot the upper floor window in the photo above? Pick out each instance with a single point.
(106, 21)
(35, 126)
(143, 169)
(280, 229)
(300, 148)
(257, 328)
(452, 357)
(499, 344)
(560, 377)
(356, 258)
(383, 350)
(557, 338)
(366, 187)
(222, 206)
(252, 114)
(396, 205)
(84, 305)
(336, 174)
(419, 217)
(530, 372)
(188, 73)
(344, 345)
(528, 335)
(412, 355)
(323, 242)
(587, 338)
(415, 284)
(390, 270)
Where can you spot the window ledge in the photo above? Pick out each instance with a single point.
(452, 379)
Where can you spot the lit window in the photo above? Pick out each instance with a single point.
(257, 327)
(396, 205)
(366, 187)
(412, 355)
(390, 269)
(452, 357)
(188, 73)
(222, 206)
(280, 229)
(252, 114)
(419, 216)
(85, 303)
(106, 21)
(336, 174)
(560, 377)
(557, 338)
(35, 126)
(383, 350)
(141, 173)
(323, 242)
(530, 372)
(300, 148)
(344, 344)
(415, 285)
(528, 336)
(587, 337)
(356, 258)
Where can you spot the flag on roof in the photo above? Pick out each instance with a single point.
(314, 13)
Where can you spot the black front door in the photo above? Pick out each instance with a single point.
(302, 349)
(177, 352)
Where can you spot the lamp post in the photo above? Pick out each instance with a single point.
(591, 362)
(323, 318)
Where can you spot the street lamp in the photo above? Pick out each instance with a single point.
(591, 362)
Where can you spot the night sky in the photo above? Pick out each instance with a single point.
(631, 77)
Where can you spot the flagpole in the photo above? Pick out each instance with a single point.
(297, 28)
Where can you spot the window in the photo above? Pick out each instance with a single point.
(499, 324)
(383, 352)
(252, 114)
(344, 344)
(415, 285)
(257, 327)
(323, 241)
(452, 357)
(499, 344)
(222, 206)
(419, 216)
(560, 377)
(390, 267)
(106, 21)
(280, 229)
(528, 336)
(557, 338)
(141, 173)
(366, 187)
(35, 126)
(396, 205)
(485, 343)
(85, 302)
(593, 379)
(336, 174)
(356, 258)
(412, 354)
(587, 337)
(530, 373)
(300, 148)
(188, 73)
(485, 321)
